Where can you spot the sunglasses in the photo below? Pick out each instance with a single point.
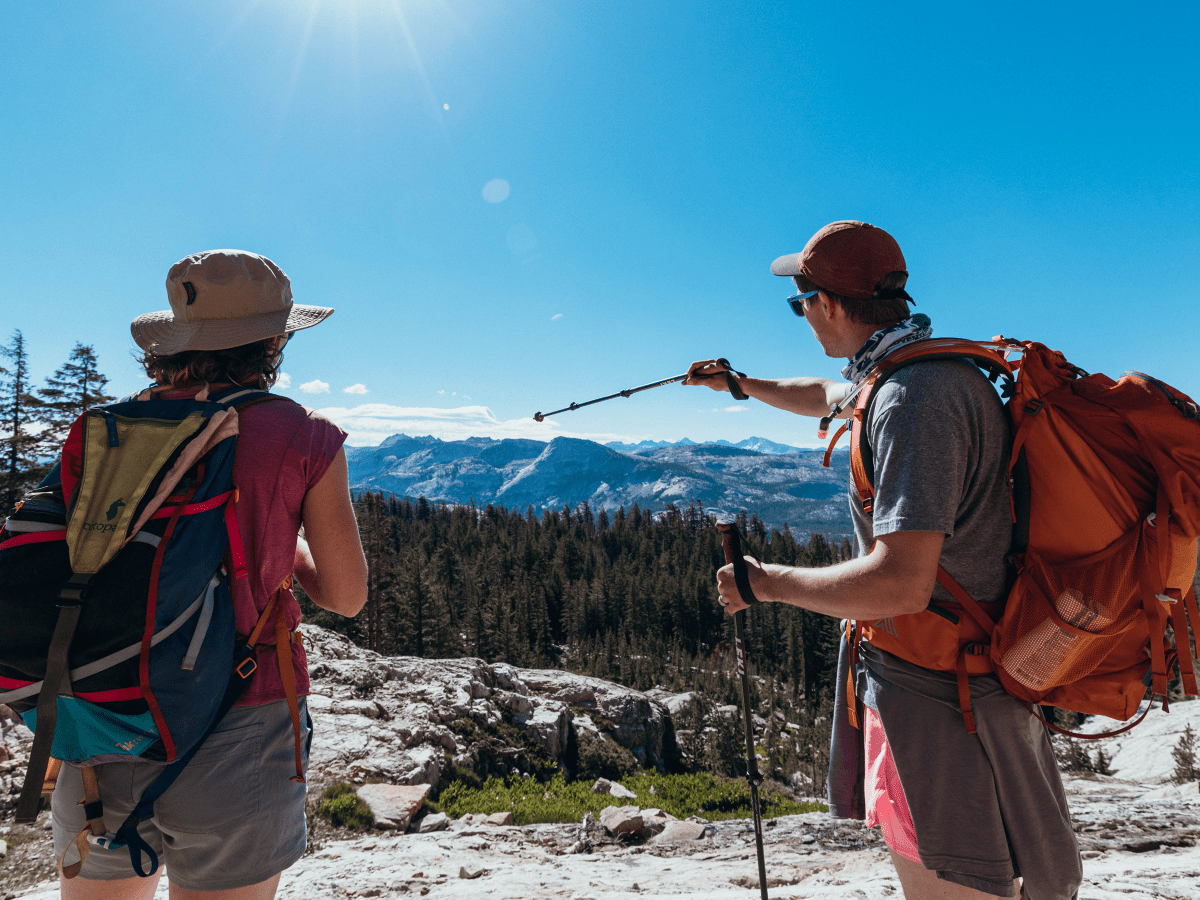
(797, 301)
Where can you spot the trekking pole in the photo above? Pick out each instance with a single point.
(733, 389)
(731, 542)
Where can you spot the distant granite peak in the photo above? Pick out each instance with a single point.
(779, 485)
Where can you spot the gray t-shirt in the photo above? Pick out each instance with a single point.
(939, 438)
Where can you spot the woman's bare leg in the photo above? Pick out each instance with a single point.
(123, 889)
(264, 890)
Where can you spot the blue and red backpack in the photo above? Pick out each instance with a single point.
(117, 635)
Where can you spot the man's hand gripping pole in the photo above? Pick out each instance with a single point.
(731, 542)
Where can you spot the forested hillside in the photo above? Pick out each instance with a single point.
(629, 597)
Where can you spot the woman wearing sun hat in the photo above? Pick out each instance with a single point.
(234, 820)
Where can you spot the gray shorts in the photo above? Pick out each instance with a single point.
(230, 820)
(989, 806)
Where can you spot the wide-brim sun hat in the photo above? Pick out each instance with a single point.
(222, 299)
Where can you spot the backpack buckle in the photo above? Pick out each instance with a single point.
(246, 667)
(74, 591)
(107, 841)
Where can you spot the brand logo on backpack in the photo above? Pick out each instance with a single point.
(888, 625)
(102, 527)
(113, 511)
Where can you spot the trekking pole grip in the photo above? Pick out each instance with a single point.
(731, 543)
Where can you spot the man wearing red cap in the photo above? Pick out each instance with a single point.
(964, 814)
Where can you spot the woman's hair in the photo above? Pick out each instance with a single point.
(879, 311)
(251, 365)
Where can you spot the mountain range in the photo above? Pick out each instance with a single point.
(779, 483)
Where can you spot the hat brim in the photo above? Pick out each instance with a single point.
(161, 333)
(786, 265)
(790, 265)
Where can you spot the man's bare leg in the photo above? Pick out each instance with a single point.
(920, 883)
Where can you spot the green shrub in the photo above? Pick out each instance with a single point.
(465, 728)
(1073, 756)
(600, 758)
(345, 809)
(680, 795)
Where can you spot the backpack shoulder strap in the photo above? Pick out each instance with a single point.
(988, 356)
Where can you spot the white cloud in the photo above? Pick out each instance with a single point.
(370, 423)
(356, 389)
(731, 409)
(556, 317)
(496, 190)
(315, 387)
(284, 380)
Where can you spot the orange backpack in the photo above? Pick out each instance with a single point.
(1105, 481)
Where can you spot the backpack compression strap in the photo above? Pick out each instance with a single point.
(57, 680)
(287, 673)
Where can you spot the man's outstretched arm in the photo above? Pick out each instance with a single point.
(803, 396)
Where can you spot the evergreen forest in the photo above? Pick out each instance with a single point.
(34, 421)
(629, 597)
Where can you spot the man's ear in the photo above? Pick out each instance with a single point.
(830, 308)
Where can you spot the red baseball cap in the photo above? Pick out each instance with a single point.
(847, 258)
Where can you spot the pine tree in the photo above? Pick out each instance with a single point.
(19, 468)
(1187, 768)
(76, 386)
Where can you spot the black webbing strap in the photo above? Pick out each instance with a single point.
(57, 677)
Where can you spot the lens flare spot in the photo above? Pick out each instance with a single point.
(496, 190)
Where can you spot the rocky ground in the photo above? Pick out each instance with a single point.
(402, 721)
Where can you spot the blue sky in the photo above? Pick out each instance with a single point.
(517, 205)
